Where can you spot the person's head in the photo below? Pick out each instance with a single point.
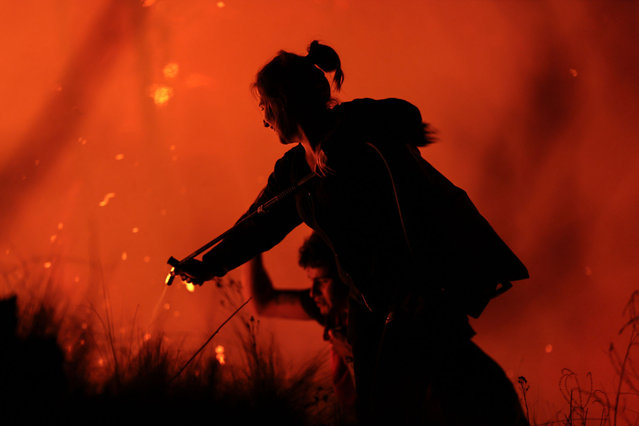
(318, 261)
(294, 91)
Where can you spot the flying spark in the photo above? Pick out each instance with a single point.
(162, 94)
(548, 348)
(47, 265)
(219, 354)
(106, 199)
(124, 255)
(171, 70)
(119, 157)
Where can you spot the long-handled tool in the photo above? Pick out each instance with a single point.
(175, 263)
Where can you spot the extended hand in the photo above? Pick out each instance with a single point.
(195, 272)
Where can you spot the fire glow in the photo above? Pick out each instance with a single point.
(219, 354)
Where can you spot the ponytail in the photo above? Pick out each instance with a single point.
(327, 60)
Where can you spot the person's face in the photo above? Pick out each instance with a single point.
(266, 112)
(322, 288)
(270, 121)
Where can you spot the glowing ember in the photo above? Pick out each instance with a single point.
(106, 199)
(124, 255)
(119, 157)
(47, 265)
(171, 70)
(135, 230)
(548, 348)
(147, 337)
(219, 354)
(162, 95)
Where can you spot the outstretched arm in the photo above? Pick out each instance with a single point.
(269, 301)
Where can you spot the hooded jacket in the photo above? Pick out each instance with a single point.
(397, 226)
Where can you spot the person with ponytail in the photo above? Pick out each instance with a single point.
(416, 255)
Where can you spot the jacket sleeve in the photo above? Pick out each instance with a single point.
(262, 231)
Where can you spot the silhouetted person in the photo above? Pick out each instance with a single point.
(415, 253)
(325, 302)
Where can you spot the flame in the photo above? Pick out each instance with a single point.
(106, 199)
(219, 354)
(168, 277)
(190, 287)
(162, 94)
(171, 70)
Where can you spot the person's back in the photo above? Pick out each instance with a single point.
(411, 246)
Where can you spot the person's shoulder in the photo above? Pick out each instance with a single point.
(370, 104)
(385, 119)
